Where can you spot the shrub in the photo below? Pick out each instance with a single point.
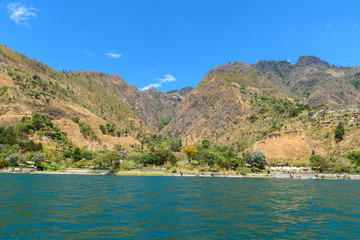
(38, 158)
(102, 128)
(215, 168)
(147, 159)
(77, 154)
(31, 146)
(252, 118)
(87, 155)
(194, 163)
(52, 167)
(163, 155)
(175, 146)
(128, 165)
(3, 163)
(8, 136)
(108, 159)
(12, 159)
(339, 132)
(258, 160)
(67, 154)
(40, 121)
(354, 156)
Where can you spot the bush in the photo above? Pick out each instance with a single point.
(3, 163)
(87, 155)
(77, 154)
(128, 165)
(8, 136)
(67, 154)
(40, 121)
(317, 160)
(258, 160)
(252, 118)
(52, 167)
(147, 159)
(339, 132)
(194, 163)
(38, 158)
(163, 155)
(242, 171)
(215, 168)
(31, 146)
(12, 159)
(175, 146)
(354, 156)
(108, 159)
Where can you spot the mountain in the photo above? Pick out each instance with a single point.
(163, 105)
(220, 106)
(264, 107)
(30, 86)
(314, 81)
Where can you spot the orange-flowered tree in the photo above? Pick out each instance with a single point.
(190, 151)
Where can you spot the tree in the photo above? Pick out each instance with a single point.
(107, 159)
(77, 154)
(67, 154)
(317, 160)
(38, 158)
(339, 132)
(247, 157)
(147, 159)
(258, 160)
(163, 155)
(190, 151)
(12, 159)
(3, 163)
(87, 155)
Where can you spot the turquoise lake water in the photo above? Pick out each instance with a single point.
(105, 207)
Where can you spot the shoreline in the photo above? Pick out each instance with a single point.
(272, 175)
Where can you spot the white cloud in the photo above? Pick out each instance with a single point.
(113, 55)
(167, 78)
(20, 13)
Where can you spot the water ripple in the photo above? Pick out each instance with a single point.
(112, 207)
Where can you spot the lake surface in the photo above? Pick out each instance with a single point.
(104, 207)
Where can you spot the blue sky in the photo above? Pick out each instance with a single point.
(173, 44)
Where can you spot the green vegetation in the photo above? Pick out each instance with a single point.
(339, 132)
(190, 151)
(258, 160)
(86, 129)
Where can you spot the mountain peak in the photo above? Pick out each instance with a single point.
(231, 66)
(312, 61)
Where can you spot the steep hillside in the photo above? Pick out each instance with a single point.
(164, 104)
(233, 103)
(30, 86)
(315, 81)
